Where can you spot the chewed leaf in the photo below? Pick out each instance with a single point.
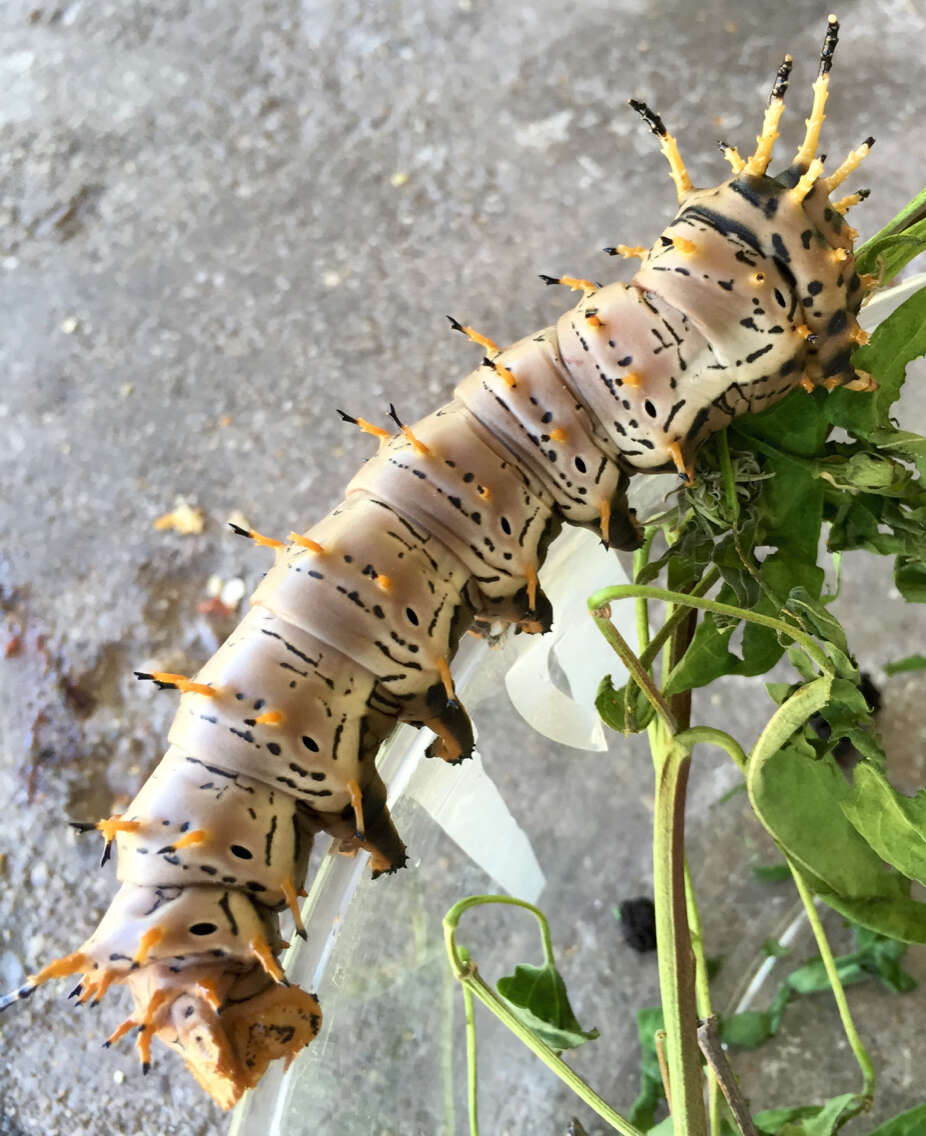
(798, 799)
(898, 340)
(894, 825)
(537, 994)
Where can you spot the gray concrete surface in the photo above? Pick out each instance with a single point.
(221, 220)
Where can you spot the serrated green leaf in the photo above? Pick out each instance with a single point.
(649, 1021)
(896, 342)
(537, 994)
(894, 246)
(889, 255)
(708, 655)
(818, 620)
(798, 800)
(865, 472)
(832, 1115)
(894, 825)
(910, 663)
(897, 917)
(706, 658)
(909, 1123)
(811, 978)
(903, 444)
(910, 579)
(911, 214)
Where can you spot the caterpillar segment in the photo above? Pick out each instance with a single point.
(749, 292)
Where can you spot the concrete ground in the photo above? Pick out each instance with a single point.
(219, 222)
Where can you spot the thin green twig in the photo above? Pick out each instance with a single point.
(467, 973)
(702, 994)
(842, 1004)
(600, 600)
(602, 618)
(472, 1097)
(729, 484)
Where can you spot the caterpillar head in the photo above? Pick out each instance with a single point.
(201, 965)
(228, 1046)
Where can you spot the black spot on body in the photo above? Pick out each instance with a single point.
(838, 322)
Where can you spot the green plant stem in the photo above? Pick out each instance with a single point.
(710, 735)
(702, 994)
(842, 1004)
(640, 560)
(471, 1070)
(602, 618)
(452, 919)
(729, 485)
(600, 600)
(711, 1047)
(677, 976)
(662, 636)
(467, 972)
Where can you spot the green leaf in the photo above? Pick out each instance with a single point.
(811, 978)
(615, 712)
(771, 873)
(910, 663)
(894, 825)
(832, 1115)
(708, 655)
(771, 948)
(649, 1021)
(799, 802)
(894, 246)
(748, 1029)
(771, 1121)
(895, 343)
(819, 621)
(910, 579)
(897, 917)
(537, 994)
(865, 472)
(706, 658)
(909, 1123)
(903, 443)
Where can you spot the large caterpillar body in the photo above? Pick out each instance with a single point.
(750, 291)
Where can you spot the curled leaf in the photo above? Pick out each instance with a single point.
(537, 994)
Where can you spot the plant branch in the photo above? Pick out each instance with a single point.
(709, 1040)
(675, 956)
(702, 996)
(602, 617)
(467, 973)
(471, 1070)
(654, 646)
(600, 600)
(832, 973)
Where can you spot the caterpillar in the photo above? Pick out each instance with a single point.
(749, 292)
